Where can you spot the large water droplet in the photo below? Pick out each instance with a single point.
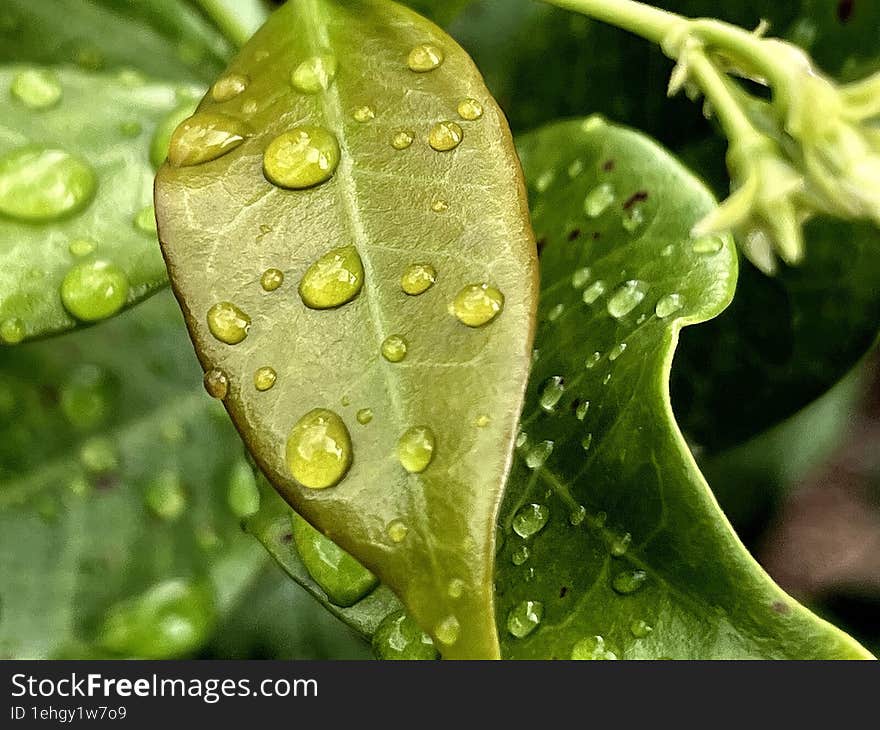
(216, 383)
(524, 618)
(94, 290)
(669, 305)
(264, 378)
(394, 348)
(626, 298)
(477, 304)
(12, 330)
(599, 199)
(470, 109)
(165, 496)
(425, 57)
(333, 280)
(538, 454)
(629, 581)
(272, 279)
(243, 495)
(415, 449)
(319, 452)
(417, 279)
(42, 183)
(229, 86)
(448, 630)
(445, 136)
(228, 323)
(551, 393)
(205, 136)
(315, 74)
(530, 519)
(592, 648)
(36, 88)
(399, 637)
(301, 158)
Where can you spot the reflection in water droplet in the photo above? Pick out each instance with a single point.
(418, 278)
(580, 277)
(204, 137)
(216, 383)
(530, 519)
(319, 451)
(520, 555)
(551, 393)
(401, 140)
(301, 158)
(165, 497)
(364, 416)
(593, 292)
(592, 648)
(445, 136)
(669, 305)
(264, 378)
(364, 114)
(470, 109)
(145, 220)
(629, 581)
(425, 57)
(394, 348)
(398, 531)
(616, 351)
(42, 184)
(415, 449)
(271, 279)
(228, 87)
(599, 199)
(36, 88)
(94, 290)
(640, 628)
(333, 280)
(399, 637)
(538, 454)
(621, 544)
(448, 631)
(315, 74)
(626, 298)
(228, 323)
(477, 304)
(524, 618)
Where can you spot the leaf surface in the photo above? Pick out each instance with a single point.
(461, 211)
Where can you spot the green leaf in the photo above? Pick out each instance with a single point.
(79, 244)
(420, 524)
(613, 544)
(440, 11)
(114, 470)
(166, 39)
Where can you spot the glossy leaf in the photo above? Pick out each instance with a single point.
(629, 555)
(390, 203)
(114, 470)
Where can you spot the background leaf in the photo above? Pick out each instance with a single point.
(462, 211)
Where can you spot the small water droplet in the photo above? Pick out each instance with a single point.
(301, 158)
(551, 393)
(455, 589)
(606, 379)
(425, 57)
(204, 137)
(36, 88)
(621, 544)
(578, 515)
(346, 401)
(94, 290)
(592, 648)
(538, 454)
(333, 280)
(592, 360)
(394, 348)
(364, 114)
(667, 250)
(264, 378)
(520, 555)
(364, 416)
(616, 351)
(524, 618)
(399, 637)
(545, 180)
(145, 220)
(229, 86)
(417, 279)
(599, 199)
(530, 519)
(415, 449)
(556, 312)
(629, 581)
(575, 169)
(626, 298)
(228, 323)
(593, 292)
(483, 420)
(81, 247)
(640, 628)
(445, 136)
(98, 455)
(580, 277)
(42, 184)
(401, 140)
(470, 109)
(522, 440)
(669, 305)
(319, 451)
(439, 206)
(587, 442)
(315, 74)
(398, 531)
(581, 411)
(216, 383)
(708, 245)
(477, 304)
(271, 279)
(448, 630)
(165, 496)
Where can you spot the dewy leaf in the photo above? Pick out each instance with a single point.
(77, 230)
(613, 544)
(115, 467)
(391, 416)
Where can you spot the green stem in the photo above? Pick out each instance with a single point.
(718, 90)
(644, 20)
(230, 23)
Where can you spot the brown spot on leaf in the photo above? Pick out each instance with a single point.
(845, 10)
(640, 197)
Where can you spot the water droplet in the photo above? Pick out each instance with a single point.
(364, 416)
(575, 169)
(398, 531)
(161, 139)
(398, 637)
(216, 383)
(448, 630)
(592, 360)
(539, 454)
(418, 278)
(333, 280)
(36, 88)
(477, 304)
(364, 114)
(12, 330)
(629, 581)
(545, 180)
(587, 442)
(425, 57)
(633, 218)
(470, 109)
(42, 184)
(621, 544)
(522, 439)
(606, 379)
(344, 579)
(439, 206)
(346, 401)
(228, 323)
(530, 519)
(580, 277)
(455, 589)
(98, 455)
(707, 245)
(165, 496)
(271, 279)
(551, 393)
(520, 555)
(593, 292)
(264, 378)
(578, 515)
(483, 420)
(599, 199)
(145, 220)
(301, 158)
(94, 290)
(394, 348)
(402, 140)
(669, 305)
(616, 351)
(592, 648)
(626, 298)
(415, 449)
(229, 86)
(524, 618)
(640, 628)
(445, 136)
(203, 137)
(80, 247)
(315, 74)
(319, 449)
(667, 250)
(556, 312)
(581, 411)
